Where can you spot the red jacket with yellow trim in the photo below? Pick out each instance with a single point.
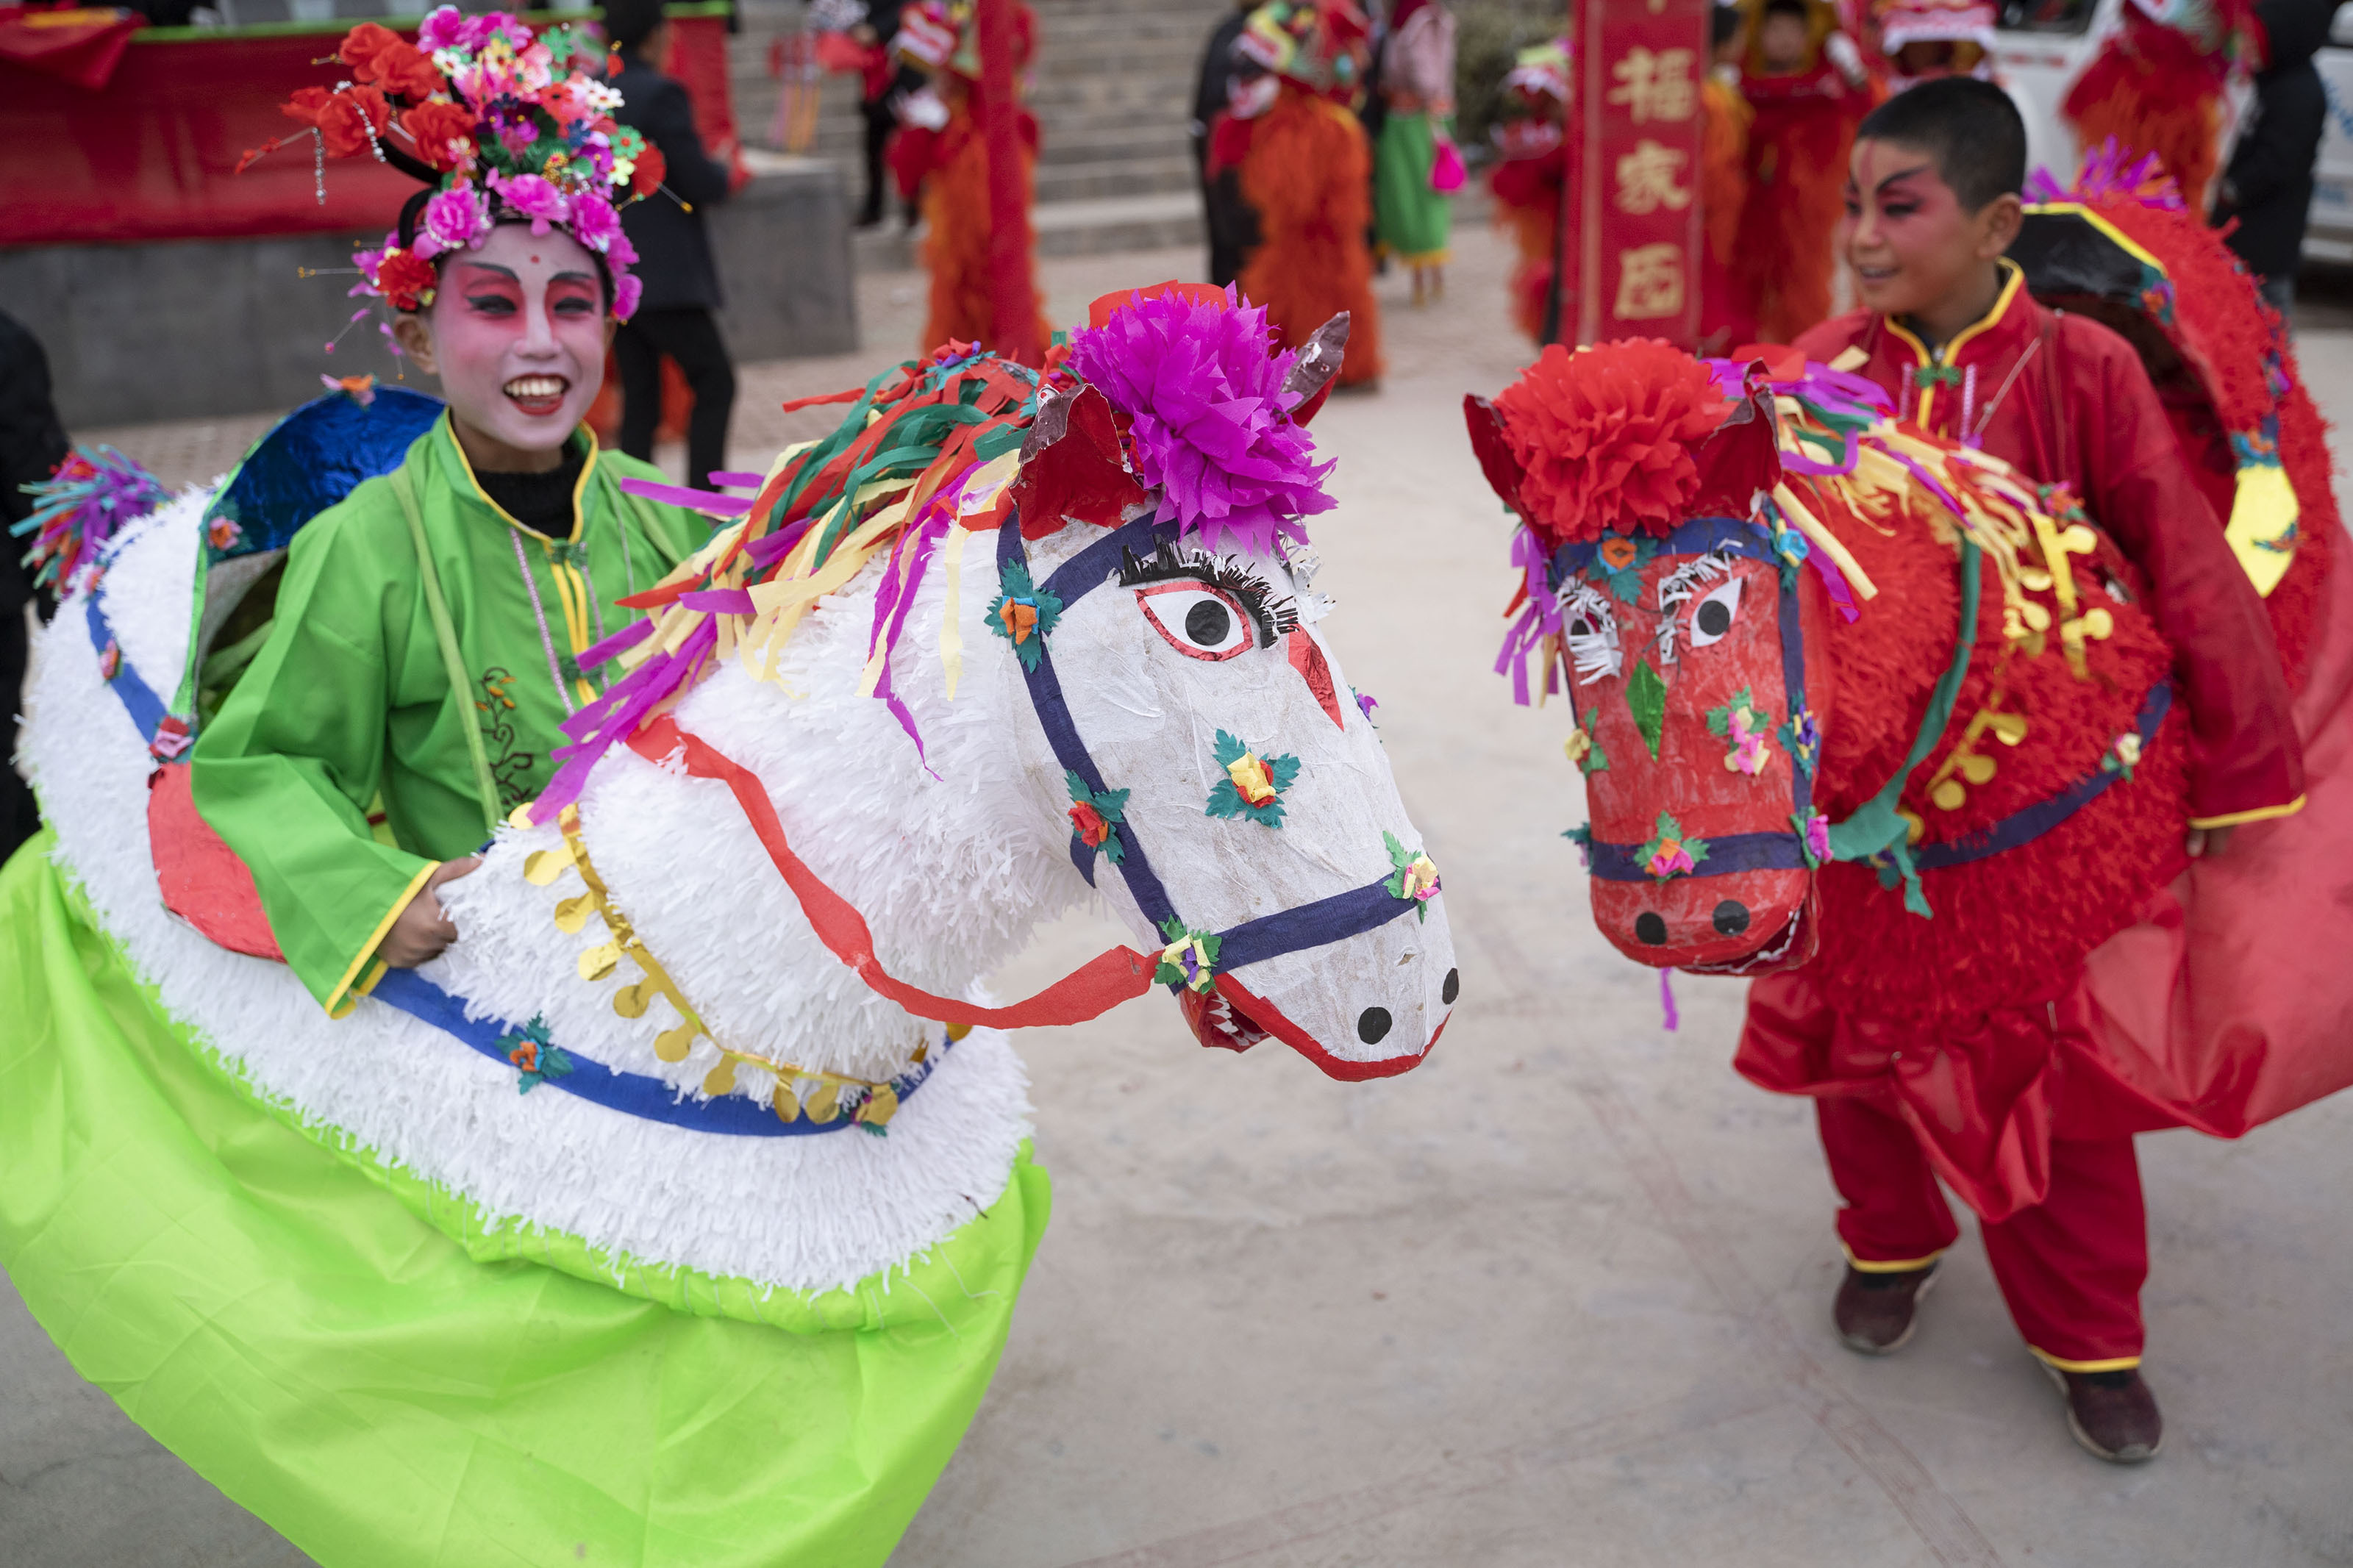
(2065, 400)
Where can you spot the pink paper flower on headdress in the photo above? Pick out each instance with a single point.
(1200, 388)
(446, 27)
(596, 224)
(627, 286)
(455, 220)
(529, 196)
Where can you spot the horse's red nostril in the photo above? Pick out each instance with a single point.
(1731, 917)
(1650, 928)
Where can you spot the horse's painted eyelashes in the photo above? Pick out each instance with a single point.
(1222, 579)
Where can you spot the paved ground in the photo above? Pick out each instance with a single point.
(1559, 1296)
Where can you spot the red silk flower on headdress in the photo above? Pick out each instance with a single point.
(382, 58)
(1602, 436)
(444, 134)
(348, 121)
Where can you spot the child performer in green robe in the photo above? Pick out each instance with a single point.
(428, 629)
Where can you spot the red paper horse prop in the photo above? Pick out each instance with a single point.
(1855, 699)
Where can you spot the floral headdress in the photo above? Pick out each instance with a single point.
(1319, 43)
(500, 124)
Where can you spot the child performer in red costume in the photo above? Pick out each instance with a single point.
(1950, 333)
(1305, 173)
(949, 164)
(1529, 175)
(1806, 81)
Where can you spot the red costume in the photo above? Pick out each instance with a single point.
(2022, 1109)
(1305, 173)
(1796, 165)
(949, 164)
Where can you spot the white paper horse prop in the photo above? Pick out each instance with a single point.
(707, 1091)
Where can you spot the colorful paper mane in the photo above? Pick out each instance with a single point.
(1173, 401)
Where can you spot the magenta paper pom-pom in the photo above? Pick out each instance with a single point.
(1209, 429)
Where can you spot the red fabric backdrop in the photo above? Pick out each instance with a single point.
(152, 155)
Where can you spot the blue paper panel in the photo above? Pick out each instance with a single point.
(314, 458)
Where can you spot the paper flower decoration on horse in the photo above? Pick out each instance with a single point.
(1253, 784)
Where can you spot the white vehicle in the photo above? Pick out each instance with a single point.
(2043, 45)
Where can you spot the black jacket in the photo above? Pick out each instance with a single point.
(2268, 187)
(673, 248)
(1216, 71)
(32, 444)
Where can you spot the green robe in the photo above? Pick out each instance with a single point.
(349, 701)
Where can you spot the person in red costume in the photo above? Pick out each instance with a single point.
(1529, 175)
(1301, 164)
(1949, 332)
(941, 152)
(1806, 83)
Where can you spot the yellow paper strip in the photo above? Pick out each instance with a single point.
(1825, 541)
(952, 613)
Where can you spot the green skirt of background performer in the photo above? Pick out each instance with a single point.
(1413, 220)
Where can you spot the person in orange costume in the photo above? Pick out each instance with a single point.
(942, 151)
(1806, 83)
(1948, 332)
(1305, 172)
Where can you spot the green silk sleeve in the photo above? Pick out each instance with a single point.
(285, 772)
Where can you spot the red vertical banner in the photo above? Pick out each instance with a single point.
(1633, 212)
(1012, 308)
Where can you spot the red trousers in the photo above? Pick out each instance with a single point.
(2071, 1266)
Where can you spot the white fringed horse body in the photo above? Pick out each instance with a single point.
(1168, 655)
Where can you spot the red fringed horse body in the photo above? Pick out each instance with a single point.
(1859, 701)
(1739, 712)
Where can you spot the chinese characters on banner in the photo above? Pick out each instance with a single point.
(1633, 216)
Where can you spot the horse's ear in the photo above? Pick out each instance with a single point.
(1071, 466)
(1310, 381)
(1741, 457)
(1496, 459)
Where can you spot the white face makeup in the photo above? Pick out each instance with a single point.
(517, 333)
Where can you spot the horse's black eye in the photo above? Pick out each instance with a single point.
(1580, 628)
(1207, 622)
(1713, 615)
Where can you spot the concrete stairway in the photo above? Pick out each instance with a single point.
(1112, 86)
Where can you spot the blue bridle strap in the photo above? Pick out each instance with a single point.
(1090, 569)
(146, 710)
(1317, 925)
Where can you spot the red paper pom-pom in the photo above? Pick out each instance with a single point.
(1603, 437)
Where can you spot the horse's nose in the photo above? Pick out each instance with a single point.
(1372, 1024)
(1731, 917)
(1650, 928)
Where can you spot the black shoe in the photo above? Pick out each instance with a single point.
(2111, 1414)
(1876, 1312)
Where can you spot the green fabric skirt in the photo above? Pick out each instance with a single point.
(1413, 220)
(288, 1320)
